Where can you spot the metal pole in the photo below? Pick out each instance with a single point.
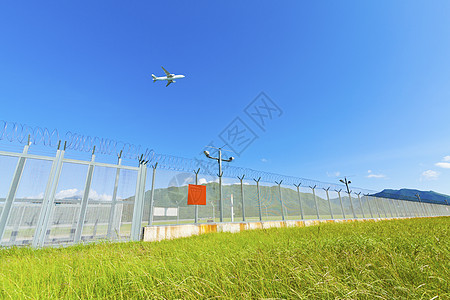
(136, 220)
(351, 204)
(329, 203)
(299, 199)
(152, 195)
(196, 206)
(375, 200)
(242, 197)
(18, 221)
(360, 203)
(220, 186)
(395, 207)
(368, 204)
(84, 200)
(13, 190)
(49, 197)
(405, 208)
(45, 201)
(114, 199)
(259, 199)
(421, 206)
(219, 160)
(136, 223)
(315, 200)
(384, 207)
(340, 200)
(281, 200)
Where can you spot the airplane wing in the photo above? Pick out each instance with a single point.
(167, 73)
(169, 82)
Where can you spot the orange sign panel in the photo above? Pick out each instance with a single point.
(196, 194)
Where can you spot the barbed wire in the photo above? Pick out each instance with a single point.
(209, 167)
(17, 132)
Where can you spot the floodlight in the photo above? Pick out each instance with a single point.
(341, 180)
(206, 153)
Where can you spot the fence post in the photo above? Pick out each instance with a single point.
(220, 188)
(152, 194)
(49, 197)
(242, 196)
(402, 208)
(360, 203)
(384, 207)
(17, 223)
(85, 199)
(419, 209)
(315, 200)
(196, 206)
(4, 217)
(281, 200)
(329, 203)
(377, 206)
(351, 204)
(395, 207)
(406, 208)
(299, 198)
(368, 204)
(136, 223)
(259, 199)
(340, 200)
(114, 199)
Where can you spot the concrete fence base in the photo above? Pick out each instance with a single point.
(165, 232)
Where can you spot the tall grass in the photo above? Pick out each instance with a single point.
(398, 259)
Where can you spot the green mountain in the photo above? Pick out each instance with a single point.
(410, 194)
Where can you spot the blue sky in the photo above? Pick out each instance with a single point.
(363, 86)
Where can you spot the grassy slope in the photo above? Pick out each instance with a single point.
(390, 259)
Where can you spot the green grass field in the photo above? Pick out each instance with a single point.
(397, 259)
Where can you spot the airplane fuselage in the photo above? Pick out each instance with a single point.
(168, 78)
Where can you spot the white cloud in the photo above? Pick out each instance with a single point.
(376, 176)
(430, 175)
(202, 181)
(72, 193)
(69, 193)
(333, 174)
(96, 196)
(40, 196)
(445, 165)
(264, 160)
(371, 175)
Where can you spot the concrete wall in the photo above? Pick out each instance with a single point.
(159, 233)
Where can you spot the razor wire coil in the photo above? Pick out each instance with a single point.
(22, 133)
(17, 132)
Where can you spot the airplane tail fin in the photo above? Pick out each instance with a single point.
(154, 78)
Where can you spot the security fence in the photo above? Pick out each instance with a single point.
(53, 200)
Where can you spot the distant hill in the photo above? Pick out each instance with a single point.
(410, 194)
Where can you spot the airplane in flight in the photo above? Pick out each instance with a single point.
(169, 77)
